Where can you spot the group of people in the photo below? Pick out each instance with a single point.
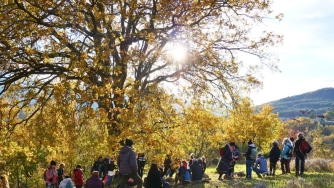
(256, 162)
(55, 178)
(131, 169)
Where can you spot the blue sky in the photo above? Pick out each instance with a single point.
(307, 53)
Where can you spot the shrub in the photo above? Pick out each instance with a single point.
(316, 165)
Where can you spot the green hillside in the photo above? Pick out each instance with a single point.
(315, 102)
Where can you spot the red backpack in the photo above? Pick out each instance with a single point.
(304, 147)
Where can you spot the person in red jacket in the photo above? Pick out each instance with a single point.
(78, 177)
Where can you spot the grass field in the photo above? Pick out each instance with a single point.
(308, 180)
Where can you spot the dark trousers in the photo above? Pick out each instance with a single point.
(134, 176)
(285, 165)
(273, 167)
(141, 171)
(231, 169)
(301, 160)
(288, 169)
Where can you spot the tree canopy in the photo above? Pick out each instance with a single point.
(110, 53)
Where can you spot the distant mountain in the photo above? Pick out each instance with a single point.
(315, 102)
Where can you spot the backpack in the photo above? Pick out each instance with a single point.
(289, 153)
(186, 176)
(69, 185)
(304, 147)
(253, 153)
(221, 151)
(44, 175)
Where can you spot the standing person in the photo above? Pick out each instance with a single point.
(204, 164)
(225, 160)
(262, 162)
(235, 157)
(78, 177)
(94, 181)
(51, 175)
(284, 155)
(191, 157)
(4, 181)
(98, 166)
(292, 144)
(141, 160)
(66, 182)
(153, 178)
(302, 147)
(250, 158)
(127, 163)
(274, 156)
(110, 173)
(167, 163)
(60, 171)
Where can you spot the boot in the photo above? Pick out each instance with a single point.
(274, 173)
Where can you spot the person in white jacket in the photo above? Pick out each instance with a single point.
(66, 180)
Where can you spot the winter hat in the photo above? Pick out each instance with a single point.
(250, 142)
(53, 163)
(128, 142)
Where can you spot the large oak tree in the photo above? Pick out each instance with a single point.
(109, 53)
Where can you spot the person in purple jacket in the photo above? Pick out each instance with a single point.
(127, 163)
(94, 181)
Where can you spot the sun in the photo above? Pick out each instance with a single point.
(179, 52)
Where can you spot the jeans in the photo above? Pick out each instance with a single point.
(258, 171)
(110, 178)
(134, 176)
(300, 159)
(249, 164)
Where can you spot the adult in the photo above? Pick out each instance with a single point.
(250, 158)
(262, 162)
(98, 166)
(191, 157)
(235, 157)
(153, 179)
(183, 175)
(78, 177)
(225, 160)
(292, 141)
(141, 160)
(60, 171)
(196, 170)
(300, 151)
(94, 181)
(274, 156)
(204, 164)
(128, 165)
(51, 175)
(4, 181)
(167, 163)
(66, 182)
(284, 155)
